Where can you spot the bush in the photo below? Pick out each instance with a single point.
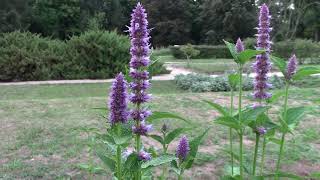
(96, 54)
(27, 56)
(205, 83)
(206, 51)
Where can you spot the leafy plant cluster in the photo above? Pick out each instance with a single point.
(205, 51)
(94, 55)
(206, 83)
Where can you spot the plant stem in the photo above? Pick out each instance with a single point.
(119, 176)
(263, 154)
(180, 175)
(164, 167)
(255, 154)
(239, 115)
(138, 139)
(283, 134)
(230, 133)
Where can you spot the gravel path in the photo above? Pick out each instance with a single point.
(174, 71)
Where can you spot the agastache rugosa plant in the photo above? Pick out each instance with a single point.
(140, 59)
(118, 113)
(182, 153)
(239, 121)
(290, 117)
(262, 66)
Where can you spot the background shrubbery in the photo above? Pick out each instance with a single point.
(205, 83)
(94, 54)
(307, 50)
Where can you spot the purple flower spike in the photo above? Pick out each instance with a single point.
(144, 156)
(291, 67)
(142, 129)
(183, 149)
(239, 46)
(118, 101)
(262, 66)
(261, 130)
(140, 59)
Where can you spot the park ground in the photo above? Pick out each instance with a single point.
(40, 137)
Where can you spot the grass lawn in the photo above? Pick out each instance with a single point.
(38, 137)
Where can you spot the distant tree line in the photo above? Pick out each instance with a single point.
(173, 21)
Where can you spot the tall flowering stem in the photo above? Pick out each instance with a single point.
(240, 48)
(140, 52)
(291, 70)
(182, 152)
(118, 112)
(262, 66)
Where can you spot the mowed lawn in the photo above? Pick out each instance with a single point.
(40, 138)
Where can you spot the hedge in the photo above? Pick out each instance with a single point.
(304, 49)
(206, 51)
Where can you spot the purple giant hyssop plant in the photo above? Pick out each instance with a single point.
(262, 65)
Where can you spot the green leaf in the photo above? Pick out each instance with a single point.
(157, 138)
(233, 80)
(248, 54)
(305, 71)
(275, 140)
(262, 120)
(229, 177)
(275, 97)
(159, 160)
(232, 49)
(109, 162)
(223, 111)
(174, 167)
(194, 145)
(280, 63)
(173, 134)
(251, 114)
(131, 164)
(315, 175)
(228, 121)
(294, 115)
(165, 115)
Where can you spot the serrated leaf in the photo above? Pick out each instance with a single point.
(157, 138)
(194, 145)
(251, 114)
(280, 63)
(228, 121)
(294, 115)
(233, 80)
(109, 162)
(131, 164)
(305, 71)
(232, 50)
(173, 134)
(159, 160)
(165, 115)
(174, 167)
(223, 111)
(248, 54)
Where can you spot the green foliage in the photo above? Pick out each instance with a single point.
(302, 48)
(189, 51)
(205, 83)
(156, 67)
(94, 54)
(27, 56)
(206, 51)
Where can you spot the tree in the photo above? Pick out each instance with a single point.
(227, 19)
(172, 21)
(189, 52)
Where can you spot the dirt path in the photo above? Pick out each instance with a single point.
(174, 71)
